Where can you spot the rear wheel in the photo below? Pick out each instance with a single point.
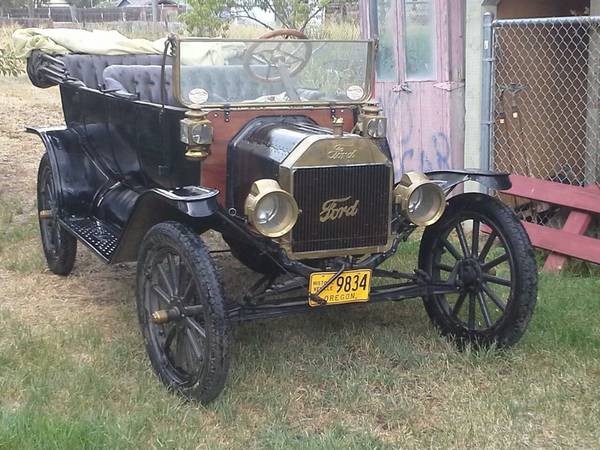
(182, 312)
(480, 244)
(60, 247)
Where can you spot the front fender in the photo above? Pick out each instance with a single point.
(192, 205)
(449, 179)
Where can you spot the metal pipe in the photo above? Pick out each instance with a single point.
(487, 98)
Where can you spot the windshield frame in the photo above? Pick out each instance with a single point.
(369, 80)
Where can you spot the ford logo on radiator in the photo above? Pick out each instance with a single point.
(342, 152)
(336, 208)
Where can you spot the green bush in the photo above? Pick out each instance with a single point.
(10, 65)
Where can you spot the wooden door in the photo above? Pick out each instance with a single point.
(420, 79)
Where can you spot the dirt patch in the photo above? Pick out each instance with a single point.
(93, 290)
(23, 105)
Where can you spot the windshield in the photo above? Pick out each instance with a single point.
(272, 71)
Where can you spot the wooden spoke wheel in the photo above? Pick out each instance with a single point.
(60, 247)
(182, 312)
(480, 245)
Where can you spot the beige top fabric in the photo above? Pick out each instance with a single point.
(61, 41)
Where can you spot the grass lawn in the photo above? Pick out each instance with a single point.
(74, 374)
(361, 377)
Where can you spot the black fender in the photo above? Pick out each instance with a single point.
(193, 205)
(85, 190)
(449, 179)
(76, 177)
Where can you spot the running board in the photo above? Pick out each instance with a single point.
(100, 237)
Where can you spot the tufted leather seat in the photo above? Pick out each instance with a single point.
(228, 84)
(224, 84)
(142, 80)
(89, 68)
(141, 74)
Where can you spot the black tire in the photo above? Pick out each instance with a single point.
(190, 353)
(60, 247)
(496, 272)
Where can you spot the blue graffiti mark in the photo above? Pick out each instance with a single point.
(443, 150)
(412, 157)
(406, 155)
(407, 127)
(421, 159)
(435, 155)
(407, 123)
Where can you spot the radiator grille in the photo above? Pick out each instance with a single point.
(367, 184)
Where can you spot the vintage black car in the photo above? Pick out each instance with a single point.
(276, 145)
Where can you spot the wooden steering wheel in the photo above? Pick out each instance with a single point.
(276, 53)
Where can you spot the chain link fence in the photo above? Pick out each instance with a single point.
(546, 84)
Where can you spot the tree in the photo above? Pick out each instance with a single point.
(209, 16)
(205, 16)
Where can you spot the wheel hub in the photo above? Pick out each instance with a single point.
(165, 315)
(470, 274)
(177, 301)
(175, 312)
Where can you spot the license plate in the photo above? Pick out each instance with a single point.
(351, 286)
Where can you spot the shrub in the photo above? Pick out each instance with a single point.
(10, 65)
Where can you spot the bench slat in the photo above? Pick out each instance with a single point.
(577, 223)
(559, 241)
(584, 199)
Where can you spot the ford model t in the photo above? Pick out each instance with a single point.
(274, 144)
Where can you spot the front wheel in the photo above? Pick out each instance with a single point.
(182, 312)
(480, 245)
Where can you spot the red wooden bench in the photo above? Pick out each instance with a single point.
(583, 203)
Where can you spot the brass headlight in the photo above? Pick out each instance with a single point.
(421, 200)
(271, 210)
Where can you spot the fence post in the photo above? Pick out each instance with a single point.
(592, 151)
(154, 11)
(73, 11)
(487, 100)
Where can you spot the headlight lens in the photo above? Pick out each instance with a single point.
(271, 210)
(426, 204)
(422, 201)
(415, 201)
(268, 208)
